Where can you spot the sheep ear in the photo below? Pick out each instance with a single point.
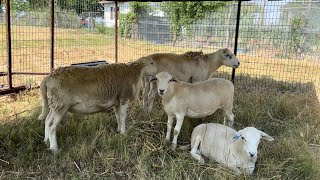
(225, 50)
(174, 79)
(266, 136)
(153, 79)
(236, 136)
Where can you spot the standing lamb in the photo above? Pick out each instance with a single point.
(195, 100)
(88, 90)
(236, 150)
(188, 67)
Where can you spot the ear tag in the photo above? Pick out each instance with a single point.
(236, 136)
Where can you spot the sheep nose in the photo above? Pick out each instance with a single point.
(161, 91)
(238, 63)
(252, 154)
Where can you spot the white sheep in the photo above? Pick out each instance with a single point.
(236, 150)
(88, 90)
(188, 67)
(195, 100)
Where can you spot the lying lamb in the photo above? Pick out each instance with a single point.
(88, 90)
(188, 67)
(195, 100)
(236, 150)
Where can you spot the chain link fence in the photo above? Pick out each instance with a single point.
(278, 40)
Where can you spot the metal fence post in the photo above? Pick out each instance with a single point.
(8, 22)
(52, 35)
(116, 31)
(236, 38)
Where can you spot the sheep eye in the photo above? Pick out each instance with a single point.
(152, 63)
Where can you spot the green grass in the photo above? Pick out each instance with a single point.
(91, 147)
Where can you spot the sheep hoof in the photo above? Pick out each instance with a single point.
(201, 161)
(41, 117)
(54, 150)
(46, 141)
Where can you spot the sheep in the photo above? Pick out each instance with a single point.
(236, 150)
(196, 100)
(188, 67)
(88, 90)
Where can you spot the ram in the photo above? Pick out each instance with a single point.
(88, 90)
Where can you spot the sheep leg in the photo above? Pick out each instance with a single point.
(57, 117)
(46, 128)
(169, 128)
(177, 129)
(145, 92)
(195, 152)
(44, 113)
(117, 112)
(122, 116)
(230, 117)
(152, 94)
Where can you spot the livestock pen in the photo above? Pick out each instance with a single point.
(277, 85)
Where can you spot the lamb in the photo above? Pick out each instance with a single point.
(188, 67)
(88, 90)
(195, 100)
(236, 150)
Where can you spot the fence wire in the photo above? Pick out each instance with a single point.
(278, 40)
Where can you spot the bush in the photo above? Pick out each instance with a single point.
(104, 30)
(125, 27)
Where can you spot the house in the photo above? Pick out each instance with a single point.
(124, 8)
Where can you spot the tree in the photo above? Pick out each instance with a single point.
(80, 5)
(184, 14)
(138, 10)
(129, 23)
(302, 17)
(38, 4)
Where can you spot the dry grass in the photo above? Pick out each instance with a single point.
(91, 148)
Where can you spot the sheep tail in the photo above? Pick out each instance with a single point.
(44, 98)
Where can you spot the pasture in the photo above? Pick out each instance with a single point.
(91, 147)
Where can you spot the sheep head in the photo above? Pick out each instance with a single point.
(163, 80)
(226, 57)
(250, 138)
(149, 68)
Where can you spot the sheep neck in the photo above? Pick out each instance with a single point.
(215, 63)
(170, 92)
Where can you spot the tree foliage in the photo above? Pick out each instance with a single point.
(80, 6)
(38, 4)
(184, 14)
(129, 22)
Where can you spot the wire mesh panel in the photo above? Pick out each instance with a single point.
(277, 39)
(81, 32)
(3, 52)
(280, 40)
(147, 28)
(30, 42)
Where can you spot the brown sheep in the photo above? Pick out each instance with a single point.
(88, 90)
